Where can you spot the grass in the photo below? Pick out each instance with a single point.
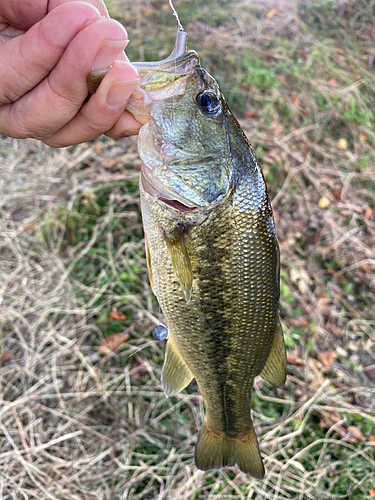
(81, 421)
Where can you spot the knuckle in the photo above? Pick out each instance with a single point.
(52, 143)
(64, 97)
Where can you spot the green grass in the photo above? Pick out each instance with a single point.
(298, 86)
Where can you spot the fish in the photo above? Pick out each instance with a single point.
(212, 252)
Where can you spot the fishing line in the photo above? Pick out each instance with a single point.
(180, 27)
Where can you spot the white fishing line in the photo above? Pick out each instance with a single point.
(180, 27)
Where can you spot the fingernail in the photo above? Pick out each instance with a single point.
(108, 51)
(119, 93)
(131, 131)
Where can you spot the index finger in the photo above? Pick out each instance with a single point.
(26, 60)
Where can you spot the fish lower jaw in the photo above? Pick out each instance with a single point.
(178, 205)
(163, 195)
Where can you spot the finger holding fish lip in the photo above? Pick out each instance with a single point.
(51, 105)
(105, 109)
(30, 58)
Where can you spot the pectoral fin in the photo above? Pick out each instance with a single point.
(274, 371)
(181, 262)
(148, 263)
(175, 375)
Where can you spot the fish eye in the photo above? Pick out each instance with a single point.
(209, 103)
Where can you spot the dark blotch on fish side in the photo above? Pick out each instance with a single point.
(160, 332)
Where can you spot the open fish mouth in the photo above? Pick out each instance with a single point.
(159, 80)
(155, 188)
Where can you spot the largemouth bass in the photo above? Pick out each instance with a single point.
(212, 252)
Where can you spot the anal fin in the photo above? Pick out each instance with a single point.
(175, 375)
(274, 370)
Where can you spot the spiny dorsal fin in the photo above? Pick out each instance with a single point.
(274, 371)
(181, 261)
(175, 375)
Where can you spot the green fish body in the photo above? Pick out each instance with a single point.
(212, 252)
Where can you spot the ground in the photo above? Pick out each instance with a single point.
(82, 412)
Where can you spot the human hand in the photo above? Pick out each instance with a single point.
(47, 49)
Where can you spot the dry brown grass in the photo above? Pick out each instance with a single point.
(75, 424)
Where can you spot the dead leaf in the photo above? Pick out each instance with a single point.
(336, 193)
(277, 127)
(114, 314)
(368, 213)
(323, 301)
(29, 227)
(369, 370)
(251, 114)
(371, 439)
(292, 359)
(328, 419)
(5, 358)
(326, 358)
(137, 369)
(342, 431)
(333, 329)
(354, 433)
(332, 82)
(362, 137)
(349, 434)
(371, 492)
(282, 79)
(272, 13)
(97, 147)
(246, 87)
(342, 143)
(109, 162)
(295, 98)
(300, 322)
(112, 342)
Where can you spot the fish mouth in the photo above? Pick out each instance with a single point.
(178, 205)
(159, 80)
(165, 195)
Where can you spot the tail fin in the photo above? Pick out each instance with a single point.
(214, 451)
